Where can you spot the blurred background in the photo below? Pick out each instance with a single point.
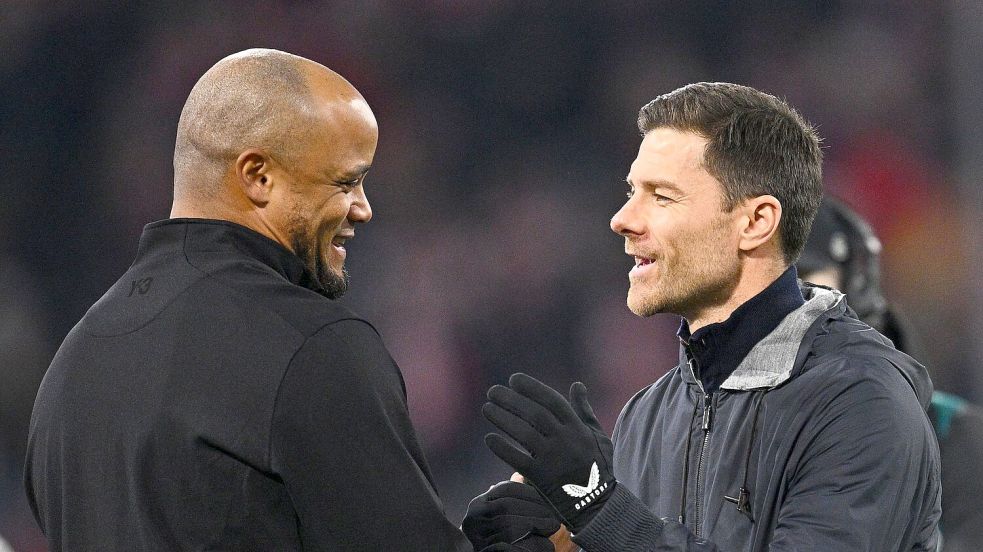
(507, 128)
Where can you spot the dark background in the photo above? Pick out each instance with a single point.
(506, 130)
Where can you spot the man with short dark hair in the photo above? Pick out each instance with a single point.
(216, 398)
(788, 424)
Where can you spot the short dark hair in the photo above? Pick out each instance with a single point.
(756, 145)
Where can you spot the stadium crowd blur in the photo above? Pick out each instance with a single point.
(506, 129)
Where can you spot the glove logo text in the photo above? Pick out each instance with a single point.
(593, 489)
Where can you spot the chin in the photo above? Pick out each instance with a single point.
(335, 284)
(641, 305)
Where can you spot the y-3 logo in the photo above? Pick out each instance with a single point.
(593, 489)
(141, 286)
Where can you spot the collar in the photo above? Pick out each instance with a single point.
(192, 235)
(716, 350)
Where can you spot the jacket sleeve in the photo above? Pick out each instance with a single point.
(869, 464)
(869, 467)
(344, 446)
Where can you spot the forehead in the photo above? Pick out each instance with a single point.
(345, 134)
(669, 154)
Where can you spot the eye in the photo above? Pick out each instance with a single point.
(661, 199)
(630, 192)
(349, 184)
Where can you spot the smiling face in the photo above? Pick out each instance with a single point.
(684, 243)
(323, 196)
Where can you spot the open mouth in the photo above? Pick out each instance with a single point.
(642, 264)
(338, 242)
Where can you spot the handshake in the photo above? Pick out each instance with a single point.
(565, 460)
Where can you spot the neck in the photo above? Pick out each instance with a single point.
(751, 282)
(250, 218)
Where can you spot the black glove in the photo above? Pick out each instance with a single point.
(529, 544)
(509, 513)
(569, 458)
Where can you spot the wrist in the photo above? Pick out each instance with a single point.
(588, 507)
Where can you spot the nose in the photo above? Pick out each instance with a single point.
(626, 222)
(360, 210)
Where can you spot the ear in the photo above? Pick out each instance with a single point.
(759, 222)
(253, 173)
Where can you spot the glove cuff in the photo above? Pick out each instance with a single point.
(585, 509)
(576, 505)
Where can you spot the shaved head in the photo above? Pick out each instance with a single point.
(281, 145)
(257, 98)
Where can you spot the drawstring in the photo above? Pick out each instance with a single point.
(743, 498)
(689, 441)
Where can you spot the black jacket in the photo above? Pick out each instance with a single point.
(818, 441)
(214, 400)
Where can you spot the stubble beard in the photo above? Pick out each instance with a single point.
(333, 285)
(686, 286)
(689, 279)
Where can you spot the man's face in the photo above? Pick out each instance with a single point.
(684, 244)
(324, 196)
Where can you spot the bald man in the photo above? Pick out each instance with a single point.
(216, 398)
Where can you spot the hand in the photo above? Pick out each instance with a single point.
(562, 542)
(569, 457)
(510, 513)
(561, 539)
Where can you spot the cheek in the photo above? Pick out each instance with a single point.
(334, 209)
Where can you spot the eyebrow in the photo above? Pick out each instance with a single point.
(355, 174)
(665, 184)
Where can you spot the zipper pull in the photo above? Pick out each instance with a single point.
(743, 501)
(707, 412)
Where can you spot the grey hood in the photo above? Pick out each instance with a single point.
(825, 327)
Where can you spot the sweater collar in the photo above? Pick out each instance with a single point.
(217, 236)
(714, 351)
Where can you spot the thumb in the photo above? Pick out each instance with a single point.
(578, 400)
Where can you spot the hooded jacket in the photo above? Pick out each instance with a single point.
(817, 441)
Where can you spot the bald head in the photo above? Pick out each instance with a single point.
(256, 98)
(281, 145)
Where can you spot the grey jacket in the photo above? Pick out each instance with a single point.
(817, 441)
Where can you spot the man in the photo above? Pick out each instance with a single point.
(216, 398)
(844, 253)
(788, 424)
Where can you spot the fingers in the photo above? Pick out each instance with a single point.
(509, 453)
(516, 427)
(542, 394)
(529, 410)
(578, 400)
(508, 494)
(509, 512)
(509, 528)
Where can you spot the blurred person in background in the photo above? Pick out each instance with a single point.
(844, 253)
(788, 424)
(217, 397)
(24, 354)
